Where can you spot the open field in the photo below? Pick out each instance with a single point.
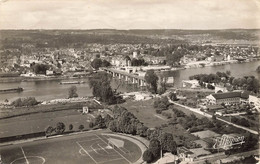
(34, 123)
(90, 148)
(145, 112)
(19, 111)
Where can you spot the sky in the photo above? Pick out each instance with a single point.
(129, 14)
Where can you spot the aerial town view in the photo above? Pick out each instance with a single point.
(129, 82)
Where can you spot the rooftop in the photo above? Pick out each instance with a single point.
(240, 94)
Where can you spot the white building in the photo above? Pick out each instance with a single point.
(30, 74)
(255, 100)
(190, 84)
(49, 72)
(135, 54)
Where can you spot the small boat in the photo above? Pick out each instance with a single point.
(72, 82)
(19, 89)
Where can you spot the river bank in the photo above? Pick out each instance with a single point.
(29, 79)
(201, 64)
(47, 89)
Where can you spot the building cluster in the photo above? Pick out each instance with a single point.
(74, 59)
(63, 60)
(218, 55)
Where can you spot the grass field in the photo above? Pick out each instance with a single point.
(34, 123)
(19, 111)
(90, 148)
(145, 112)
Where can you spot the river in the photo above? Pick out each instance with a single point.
(47, 90)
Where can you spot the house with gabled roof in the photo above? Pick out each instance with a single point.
(228, 97)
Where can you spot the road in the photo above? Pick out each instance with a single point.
(238, 126)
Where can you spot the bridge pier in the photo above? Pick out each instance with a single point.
(142, 83)
(135, 81)
(126, 78)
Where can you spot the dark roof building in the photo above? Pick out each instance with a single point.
(240, 94)
(228, 97)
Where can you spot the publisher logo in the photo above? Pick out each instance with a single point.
(227, 142)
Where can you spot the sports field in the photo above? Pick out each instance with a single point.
(90, 148)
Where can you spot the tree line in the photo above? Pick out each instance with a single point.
(29, 101)
(97, 62)
(249, 83)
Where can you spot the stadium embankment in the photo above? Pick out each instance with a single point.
(143, 145)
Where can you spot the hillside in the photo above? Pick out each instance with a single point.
(78, 38)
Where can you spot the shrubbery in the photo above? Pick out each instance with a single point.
(73, 92)
(81, 127)
(161, 103)
(173, 96)
(242, 121)
(29, 101)
(159, 141)
(148, 156)
(126, 122)
(59, 129)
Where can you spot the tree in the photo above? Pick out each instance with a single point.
(105, 63)
(151, 79)
(161, 103)
(91, 124)
(255, 85)
(127, 58)
(173, 96)
(228, 73)
(99, 121)
(138, 62)
(17, 102)
(107, 120)
(155, 147)
(209, 86)
(100, 84)
(29, 101)
(81, 127)
(96, 63)
(174, 58)
(73, 92)
(113, 126)
(70, 127)
(162, 85)
(49, 130)
(148, 156)
(142, 130)
(167, 143)
(39, 68)
(60, 128)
